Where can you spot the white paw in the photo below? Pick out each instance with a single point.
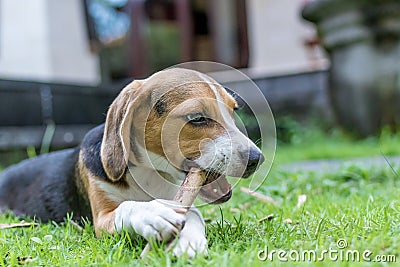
(152, 220)
(190, 244)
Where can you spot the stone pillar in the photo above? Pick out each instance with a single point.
(363, 41)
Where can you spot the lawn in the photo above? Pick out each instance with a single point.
(317, 219)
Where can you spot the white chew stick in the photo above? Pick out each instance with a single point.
(186, 194)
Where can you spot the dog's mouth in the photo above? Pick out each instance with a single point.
(216, 189)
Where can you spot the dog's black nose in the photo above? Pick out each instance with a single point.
(255, 158)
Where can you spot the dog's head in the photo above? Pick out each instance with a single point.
(184, 118)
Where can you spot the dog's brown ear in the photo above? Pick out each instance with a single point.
(115, 147)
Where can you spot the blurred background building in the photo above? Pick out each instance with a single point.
(95, 41)
(62, 62)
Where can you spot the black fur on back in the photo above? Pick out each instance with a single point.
(45, 187)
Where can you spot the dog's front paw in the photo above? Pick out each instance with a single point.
(152, 220)
(191, 244)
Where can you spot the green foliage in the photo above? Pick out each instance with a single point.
(308, 141)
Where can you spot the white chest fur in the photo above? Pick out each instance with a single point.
(143, 185)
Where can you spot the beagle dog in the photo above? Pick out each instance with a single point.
(125, 171)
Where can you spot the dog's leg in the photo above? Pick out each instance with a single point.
(152, 220)
(192, 238)
(156, 219)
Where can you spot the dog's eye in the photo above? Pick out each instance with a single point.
(197, 119)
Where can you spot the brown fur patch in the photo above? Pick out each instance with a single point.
(169, 135)
(101, 205)
(103, 208)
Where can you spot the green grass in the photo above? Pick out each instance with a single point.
(360, 206)
(309, 142)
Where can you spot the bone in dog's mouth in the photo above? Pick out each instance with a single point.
(216, 188)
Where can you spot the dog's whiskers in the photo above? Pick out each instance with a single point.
(216, 167)
(258, 141)
(221, 167)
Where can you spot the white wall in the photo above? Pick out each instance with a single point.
(46, 40)
(276, 37)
